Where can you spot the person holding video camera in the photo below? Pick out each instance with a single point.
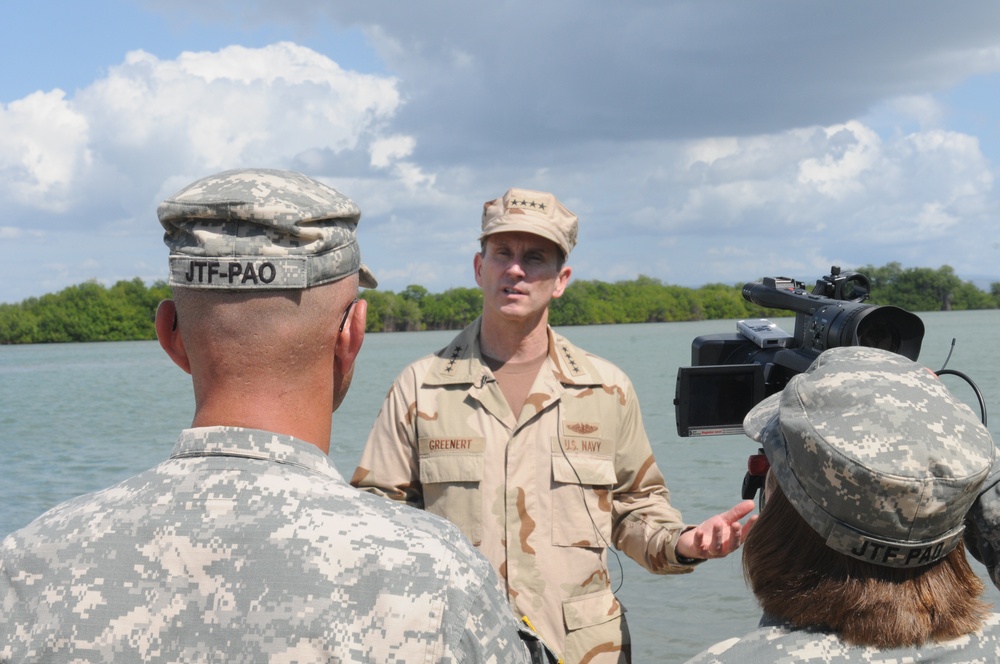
(536, 448)
(871, 466)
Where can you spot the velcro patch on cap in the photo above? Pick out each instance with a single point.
(891, 553)
(239, 273)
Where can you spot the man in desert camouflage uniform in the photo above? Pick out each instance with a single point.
(857, 555)
(246, 545)
(536, 448)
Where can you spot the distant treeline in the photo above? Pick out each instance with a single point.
(125, 311)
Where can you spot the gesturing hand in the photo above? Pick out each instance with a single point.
(717, 536)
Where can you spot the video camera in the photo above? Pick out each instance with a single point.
(733, 372)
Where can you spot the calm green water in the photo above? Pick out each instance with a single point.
(78, 417)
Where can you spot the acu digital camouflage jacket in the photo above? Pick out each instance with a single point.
(247, 546)
(775, 642)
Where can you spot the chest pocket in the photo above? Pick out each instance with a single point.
(451, 472)
(583, 469)
(581, 492)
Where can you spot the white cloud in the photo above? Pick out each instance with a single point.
(933, 220)
(44, 143)
(99, 161)
(926, 110)
(209, 111)
(149, 119)
(389, 153)
(794, 203)
(392, 148)
(852, 151)
(697, 142)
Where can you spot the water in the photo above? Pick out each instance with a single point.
(78, 417)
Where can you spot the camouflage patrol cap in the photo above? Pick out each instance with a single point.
(527, 211)
(875, 454)
(261, 229)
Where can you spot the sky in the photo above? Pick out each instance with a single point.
(698, 142)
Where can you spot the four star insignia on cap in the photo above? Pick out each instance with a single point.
(524, 203)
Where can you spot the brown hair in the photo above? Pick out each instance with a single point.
(798, 579)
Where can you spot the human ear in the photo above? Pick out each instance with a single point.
(477, 268)
(349, 340)
(352, 334)
(169, 336)
(562, 281)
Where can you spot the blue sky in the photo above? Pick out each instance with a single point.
(697, 141)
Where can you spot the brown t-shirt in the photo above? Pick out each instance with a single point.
(515, 379)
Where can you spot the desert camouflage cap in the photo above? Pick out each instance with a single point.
(261, 229)
(875, 454)
(528, 211)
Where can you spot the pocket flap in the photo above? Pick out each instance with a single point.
(451, 468)
(591, 609)
(581, 469)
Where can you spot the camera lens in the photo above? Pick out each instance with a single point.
(882, 335)
(889, 328)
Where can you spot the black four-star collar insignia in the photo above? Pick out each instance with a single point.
(454, 358)
(569, 358)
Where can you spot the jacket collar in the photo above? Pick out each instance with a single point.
(461, 361)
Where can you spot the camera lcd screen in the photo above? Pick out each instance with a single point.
(713, 400)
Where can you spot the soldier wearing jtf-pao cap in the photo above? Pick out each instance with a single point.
(536, 448)
(246, 545)
(858, 555)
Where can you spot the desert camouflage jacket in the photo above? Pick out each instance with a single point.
(775, 643)
(247, 546)
(542, 496)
